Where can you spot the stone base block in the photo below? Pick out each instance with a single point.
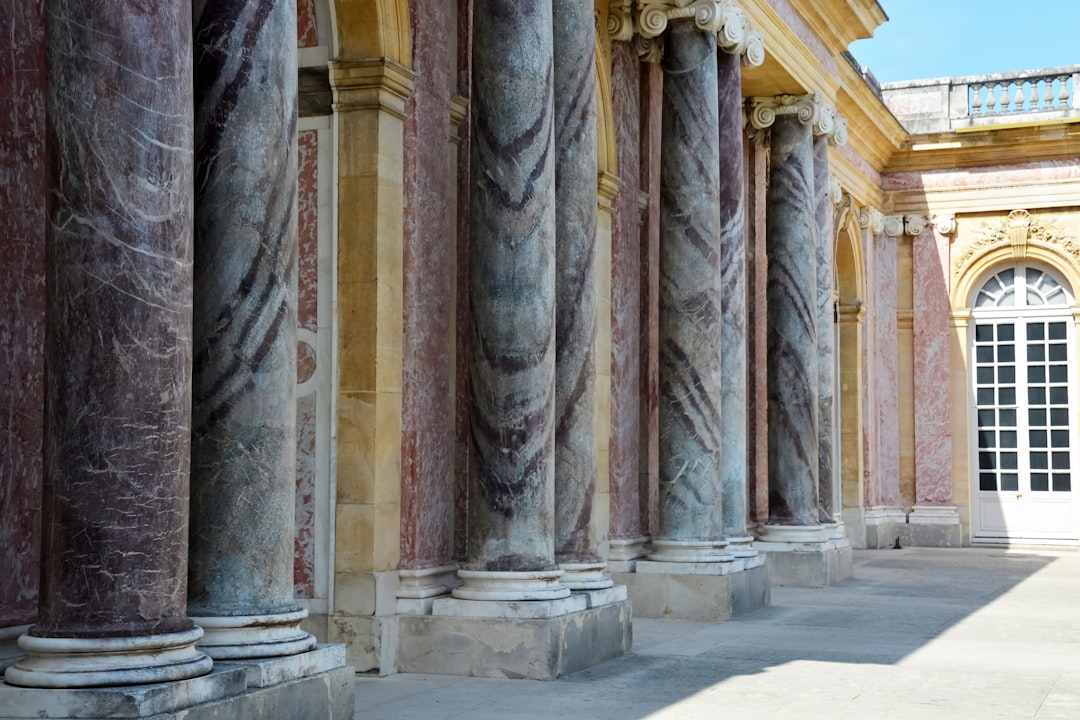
(807, 564)
(536, 648)
(930, 535)
(314, 684)
(369, 641)
(695, 596)
(883, 527)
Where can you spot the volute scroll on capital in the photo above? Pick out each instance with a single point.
(619, 23)
(944, 224)
(872, 219)
(734, 33)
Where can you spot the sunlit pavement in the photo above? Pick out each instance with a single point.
(919, 633)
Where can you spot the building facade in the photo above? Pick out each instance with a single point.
(595, 305)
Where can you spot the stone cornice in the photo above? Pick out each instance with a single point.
(372, 84)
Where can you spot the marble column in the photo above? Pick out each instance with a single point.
(932, 324)
(824, 246)
(734, 234)
(511, 554)
(793, 373)
(575, 293)
(886, 368)
(626, 536)
(691, 526)
(112, 604)
(244, 370)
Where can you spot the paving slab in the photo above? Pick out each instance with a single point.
(917, 634)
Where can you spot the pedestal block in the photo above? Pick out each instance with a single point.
(807, 564)
(314, 684)
(536, 640)
(932, 526)
(697, 591)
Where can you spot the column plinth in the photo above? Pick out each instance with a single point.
(243, 457)
(112, 600)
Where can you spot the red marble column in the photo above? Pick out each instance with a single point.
(22, 310)
(626, 537)
(428, 255)
(117, 349)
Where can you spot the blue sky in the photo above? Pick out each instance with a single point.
(953, 38)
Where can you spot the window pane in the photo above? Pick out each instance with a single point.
(1059, 460)
(1036, 373)
(986, 418)
(1059, 416)
(1037, 417)
(986, 438)
(1008, 299)
(1010, 482)
(1040, 482)
(1037, 396)
(1058, 352)
(1059, 395)
(1062, 482)
(987, 461)
(1008, 438)
(984, 375)
(1035, 331)
(1007, 374)
(1006, 353)
(1059, 438)
(1057, 331)
(987, 481)
(1037, 439)
(1007, 417)
(985, 354)
(1059, 373)
(1039, 460)
(1005, 332)
(1009, 459)
(1007, 396)
(1036, 353)
(985, 396)
(1034, 298)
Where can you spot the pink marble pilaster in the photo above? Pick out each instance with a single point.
(626, 400)
(427, 435)
(932, 328)
(757, 323)
(886, 382)
(22, 306)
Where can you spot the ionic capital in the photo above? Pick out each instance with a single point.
(619, 23)
(872, 219)
(894, 225)
(734, 33)
(809, 109)
(654, 15)
(915, 224)
(836, 190)
(945, 224)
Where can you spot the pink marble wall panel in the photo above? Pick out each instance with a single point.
(886, 372)
(757, 324)
(428, 254)
(869, 375)
(307, 31)
(652, 88)
(626, 300)
(857, 161)
(813, 43)
(933, 423)
(22, 305)
(307, 317)
(992, 176)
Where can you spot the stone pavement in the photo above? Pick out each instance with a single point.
(918, 634)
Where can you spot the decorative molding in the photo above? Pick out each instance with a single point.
(872, 219)
(619, 23)
(945, 224)
(376, 84)
(915, 224)
(894, 225)
(734, 32)
(1015, 231)
(649, 49)
(836, 190)
(654, 15)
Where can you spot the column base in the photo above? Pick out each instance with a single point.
(539, 640)
(807, 564)
(9, 645)
(241, 637)
(623, 553)
(585, 575)
(417, 589)
(932, 526)
(510, 585)
(697, 591)
(883, 526)
(311, 684)
(52, 662)
(689, 551)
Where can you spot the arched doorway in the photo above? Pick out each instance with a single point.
(1023, 409)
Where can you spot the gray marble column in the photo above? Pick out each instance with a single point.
(825, 329)
(244, 380)
(575, 293)
(733, 323)
(511, 554)
(112, 603)
(691, 526)
(791, 290)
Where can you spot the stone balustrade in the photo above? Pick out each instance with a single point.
(945, 104)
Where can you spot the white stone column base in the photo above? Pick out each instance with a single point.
(934, 515)
(510, 585)
(242, 637)
(586, 576)
(792, 534)
(689, 551)
(741, 546)
(626, 549)
(52, 662)
(9, 644)
(426, 582)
